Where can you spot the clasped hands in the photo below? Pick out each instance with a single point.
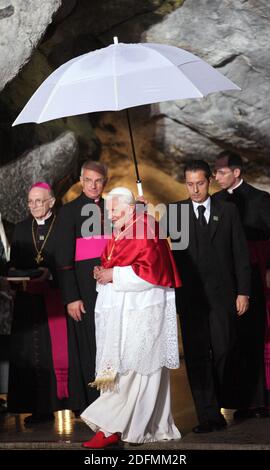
(103, 275)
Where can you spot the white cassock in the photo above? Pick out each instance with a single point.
(136, 332)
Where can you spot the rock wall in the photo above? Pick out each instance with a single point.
(22, 24)
(49, 162)
(233, 36)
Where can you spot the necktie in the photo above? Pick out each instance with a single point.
(202, 219)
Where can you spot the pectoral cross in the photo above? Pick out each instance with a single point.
(39, 258)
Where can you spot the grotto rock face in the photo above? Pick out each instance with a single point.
(78, 26)
(22, 24)
(49, 162)
(233, 36)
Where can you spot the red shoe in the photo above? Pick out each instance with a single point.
(99, 440)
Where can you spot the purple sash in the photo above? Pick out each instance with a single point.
(90, 247)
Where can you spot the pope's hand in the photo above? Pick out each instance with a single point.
(96, 270)
(104, 276)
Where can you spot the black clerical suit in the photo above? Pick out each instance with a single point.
(77, 283)
(254, 210)
(32, 379)
(214, 269)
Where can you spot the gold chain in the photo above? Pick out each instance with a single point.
(39, 258)
(118, 236)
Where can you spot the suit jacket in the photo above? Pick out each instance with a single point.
(232, 276)
(254, 209)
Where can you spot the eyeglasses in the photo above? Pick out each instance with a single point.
(37, 202)
(91, 182)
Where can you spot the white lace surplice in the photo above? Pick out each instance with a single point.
(136, 327)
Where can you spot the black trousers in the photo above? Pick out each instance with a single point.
(208, 332)
(251, 333)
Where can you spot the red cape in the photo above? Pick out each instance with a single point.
(151, 259)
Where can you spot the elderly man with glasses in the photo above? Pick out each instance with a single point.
(38, 378)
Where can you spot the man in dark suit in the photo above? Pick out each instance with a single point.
(254, 210)
(215, 273)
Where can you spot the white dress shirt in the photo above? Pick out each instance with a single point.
(206, 204)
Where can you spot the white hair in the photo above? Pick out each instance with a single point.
(124, 194)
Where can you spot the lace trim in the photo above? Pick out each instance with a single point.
(142, 340)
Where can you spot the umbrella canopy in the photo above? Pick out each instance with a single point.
(122, 76)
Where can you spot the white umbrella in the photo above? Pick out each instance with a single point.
(121, 76)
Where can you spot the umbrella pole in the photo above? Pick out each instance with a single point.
(139, 181)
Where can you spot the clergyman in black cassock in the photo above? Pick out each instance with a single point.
(254, 209)
(77, 254)
(38, 382)
(215, 274)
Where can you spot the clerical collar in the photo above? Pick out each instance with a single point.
(42, 221)
(231, 190)
(96, 200)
